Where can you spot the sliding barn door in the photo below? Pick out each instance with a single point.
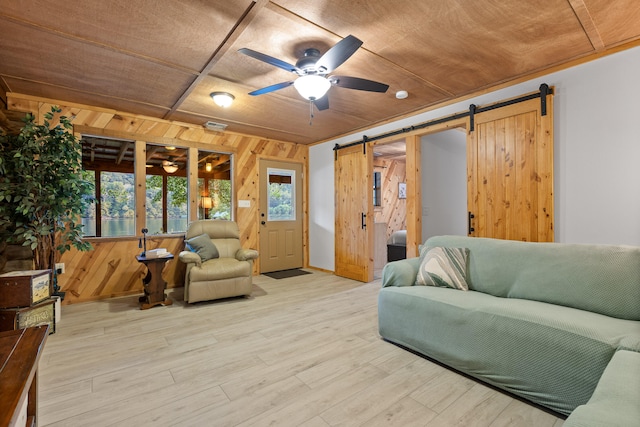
(354, 214)
(510, 172)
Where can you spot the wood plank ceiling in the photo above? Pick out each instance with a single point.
(162, 58)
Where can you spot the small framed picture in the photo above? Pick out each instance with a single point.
(402, 190)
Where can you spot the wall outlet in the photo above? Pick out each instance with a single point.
(59, 267)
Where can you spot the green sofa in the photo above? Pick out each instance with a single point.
(540, 320)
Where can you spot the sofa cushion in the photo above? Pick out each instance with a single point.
(549, 354)
(203, 246)
(446, 267)
(601, 278)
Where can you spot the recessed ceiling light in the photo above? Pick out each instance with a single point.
(402, 94)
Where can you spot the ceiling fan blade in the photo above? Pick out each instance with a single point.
(322, 103)
(358, 84)
(271, 88)
(338, 54)
(269, 60)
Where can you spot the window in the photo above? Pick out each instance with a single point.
(109, 164)
(117, 204)
(214, 185)
(377, 189)
(281, 195)
(89, 210)
(166, 194)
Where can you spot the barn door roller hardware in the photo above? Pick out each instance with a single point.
(544, 90)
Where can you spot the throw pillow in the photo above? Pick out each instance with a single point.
(203, 246)
(444, 267)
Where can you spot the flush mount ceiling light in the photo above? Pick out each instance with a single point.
(223, 99)
(402, 94)
(169, 167)
(312, 86)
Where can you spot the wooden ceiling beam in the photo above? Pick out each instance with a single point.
(589, 26)
(242, 24)
(123, 150)
(152, 151)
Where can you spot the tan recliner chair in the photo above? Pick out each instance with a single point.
(224, 276)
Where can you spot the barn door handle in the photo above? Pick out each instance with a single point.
(364, 221)
(471, 229)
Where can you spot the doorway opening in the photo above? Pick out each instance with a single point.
(389, 199)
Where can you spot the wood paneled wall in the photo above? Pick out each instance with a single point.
(393, 210)
(111, 268)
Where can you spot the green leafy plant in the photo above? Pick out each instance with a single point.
(42, 190)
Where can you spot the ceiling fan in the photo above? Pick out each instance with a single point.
(313, 81)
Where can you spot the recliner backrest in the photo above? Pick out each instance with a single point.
(223, 233)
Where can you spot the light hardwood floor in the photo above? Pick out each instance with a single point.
(300, 351)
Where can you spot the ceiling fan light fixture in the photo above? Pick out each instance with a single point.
(312, 86)
(169, 167)
(222, 99)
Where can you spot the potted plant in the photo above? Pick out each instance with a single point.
(42, 192)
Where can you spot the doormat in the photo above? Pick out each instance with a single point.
(283, 274)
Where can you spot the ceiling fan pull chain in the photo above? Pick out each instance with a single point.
(310, 113)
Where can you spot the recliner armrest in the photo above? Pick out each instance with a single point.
(246, 254)
(189, 257)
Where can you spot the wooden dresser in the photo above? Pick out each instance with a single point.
(20, 352)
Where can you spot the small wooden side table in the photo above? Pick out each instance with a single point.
(154, 284)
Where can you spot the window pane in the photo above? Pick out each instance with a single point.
(176, 204)
(154, 204)
(377, 189)
(89, 209)
(214, 185)
(109, 164)
(166, 183)
(117, 204)
(281, 191)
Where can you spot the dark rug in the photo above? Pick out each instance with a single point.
(283, 274)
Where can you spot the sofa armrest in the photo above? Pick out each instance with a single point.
(400, 273)
(189, 257)
(246, 254)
